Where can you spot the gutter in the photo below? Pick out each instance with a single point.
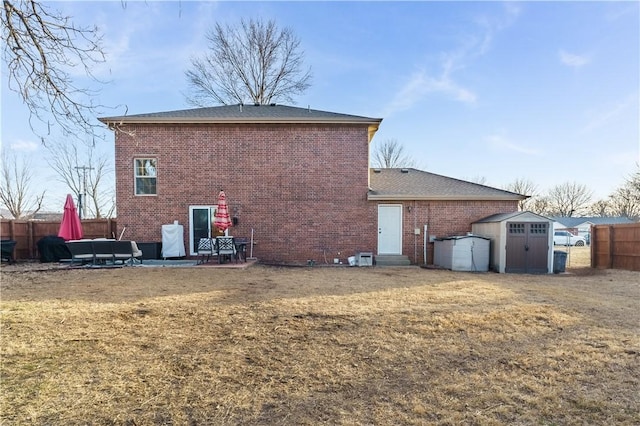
(391, 197)
(231, 120)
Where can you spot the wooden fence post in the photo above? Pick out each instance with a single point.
(610, 263)
(30, 242)
(592, 246)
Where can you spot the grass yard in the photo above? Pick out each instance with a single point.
(321, 345)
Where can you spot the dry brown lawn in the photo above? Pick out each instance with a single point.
(320, 345)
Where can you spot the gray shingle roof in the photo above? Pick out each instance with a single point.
(413, 184)
(243, 114)
(572, 222)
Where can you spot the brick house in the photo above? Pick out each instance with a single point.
(415, 198)
(298, 177)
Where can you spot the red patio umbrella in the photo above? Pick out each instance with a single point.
(222, 220)
(70, 227)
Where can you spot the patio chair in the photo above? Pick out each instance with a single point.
(7, 247)
(241, 249)
(226, 249)
(206, 247)
(81, 251)
(126, 251)
(102, 251)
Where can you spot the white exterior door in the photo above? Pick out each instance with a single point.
(389, 229)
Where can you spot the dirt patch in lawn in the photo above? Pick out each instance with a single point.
(264, 345)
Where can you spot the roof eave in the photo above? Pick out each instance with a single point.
(233, 120)
(404, 197)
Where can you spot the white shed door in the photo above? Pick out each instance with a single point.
(389, 229)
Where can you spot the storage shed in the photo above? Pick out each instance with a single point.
(462, 253)
(521, 242)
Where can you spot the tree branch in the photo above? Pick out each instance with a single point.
(40, 46)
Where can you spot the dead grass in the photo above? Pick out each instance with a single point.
(319, 346)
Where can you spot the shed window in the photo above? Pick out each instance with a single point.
(538, 228)
(145, 176)
(516, 228)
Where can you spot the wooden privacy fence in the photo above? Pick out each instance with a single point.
(27, 233)
(616, 246)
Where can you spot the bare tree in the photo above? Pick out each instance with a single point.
(390, 154)
(41, 47)
(569, 199)
(625, 201)
(540, 205)
(601, 208)
(254, 61)
(83, 171)
(524, 187)
(15, 191)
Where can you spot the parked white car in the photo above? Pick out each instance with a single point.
(565, 238)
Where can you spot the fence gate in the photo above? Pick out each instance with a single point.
(616, 246)
(527, 247)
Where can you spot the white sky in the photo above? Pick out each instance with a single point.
(547, 91)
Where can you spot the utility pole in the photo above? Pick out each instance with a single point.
(82, 208)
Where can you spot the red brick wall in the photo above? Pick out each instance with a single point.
(443, 219)
(302, 188)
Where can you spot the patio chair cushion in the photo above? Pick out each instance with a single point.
(126, 251)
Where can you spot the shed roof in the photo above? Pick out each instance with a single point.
(501, 217)
(413, 184)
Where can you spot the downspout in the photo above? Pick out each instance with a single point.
(425, 243)
(415, 236)
(426, 234)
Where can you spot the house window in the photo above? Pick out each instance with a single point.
(145, 176)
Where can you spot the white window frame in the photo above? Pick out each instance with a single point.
(150, 173)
